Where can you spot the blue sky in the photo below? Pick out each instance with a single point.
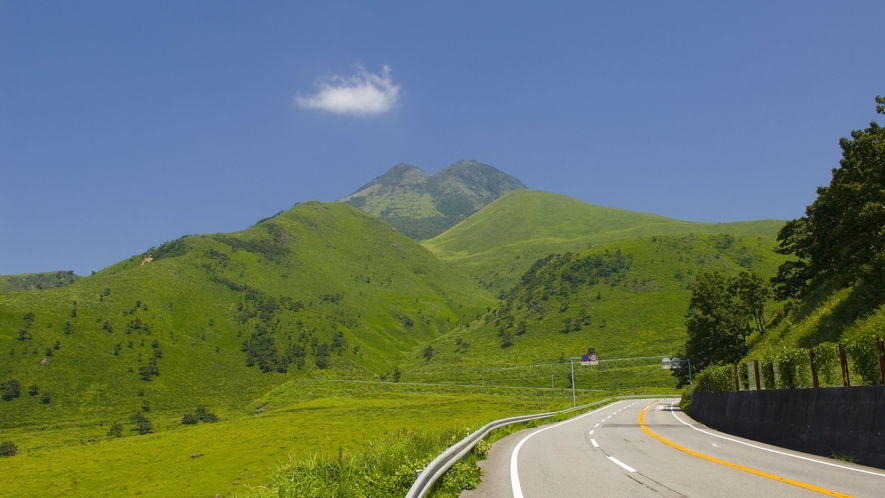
(127, 124)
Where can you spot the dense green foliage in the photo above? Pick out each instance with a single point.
(841, 237)
(722, 313)
(423, 206)
(833, 286)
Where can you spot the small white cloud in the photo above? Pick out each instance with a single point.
(362, 94)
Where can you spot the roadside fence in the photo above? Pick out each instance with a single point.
(860, 361)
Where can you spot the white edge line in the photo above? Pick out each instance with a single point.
(514, 471)
(595, 444)
(773, 451)
(591, 433)
(622, 464)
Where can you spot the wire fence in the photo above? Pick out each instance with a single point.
(610, 374)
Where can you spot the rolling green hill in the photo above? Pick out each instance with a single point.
(36, 281)
(626, 298)
(322, 290)
(499, 243)
(422, 206)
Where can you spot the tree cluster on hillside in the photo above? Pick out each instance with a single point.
(841, 236)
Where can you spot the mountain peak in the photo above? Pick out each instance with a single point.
(423, 206)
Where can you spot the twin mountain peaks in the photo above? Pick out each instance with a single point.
(422, 206)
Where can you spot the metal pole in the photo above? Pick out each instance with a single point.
(572, 364)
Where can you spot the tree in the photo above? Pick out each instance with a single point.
(142, 424)
(840, 237)
(45, 398)
(428, 353)
(752, 293)
(717, 323)
(322, 356)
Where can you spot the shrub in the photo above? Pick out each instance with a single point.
(864, 355)
(716, 378)
(189, 419)
(116, 430)
(8, 448)
(793, 365)
(10, 389)
(46, 398)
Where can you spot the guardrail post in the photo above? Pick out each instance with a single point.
(845, 380)
(881, 345)
(756, 369)
(813, 369)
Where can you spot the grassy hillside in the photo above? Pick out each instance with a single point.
(36, 281)
(498, 244)
(626, 298)
(322, 290)
(422, 206)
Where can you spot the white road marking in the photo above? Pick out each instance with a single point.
(591, 433)
(774, 451)
(595, 444)
(622, 464)
(514, 470)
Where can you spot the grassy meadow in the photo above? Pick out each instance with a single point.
(242, 449)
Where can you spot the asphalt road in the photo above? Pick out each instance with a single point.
(650, 448)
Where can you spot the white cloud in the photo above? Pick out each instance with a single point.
(362, 94)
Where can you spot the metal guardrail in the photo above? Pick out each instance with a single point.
(446, 459)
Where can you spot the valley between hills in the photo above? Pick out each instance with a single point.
(420, 302)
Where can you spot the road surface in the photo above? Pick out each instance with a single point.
(649, 448)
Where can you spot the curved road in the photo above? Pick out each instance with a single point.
(645, 448)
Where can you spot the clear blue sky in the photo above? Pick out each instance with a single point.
(127, 124)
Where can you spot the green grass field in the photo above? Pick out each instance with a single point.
(240, 450)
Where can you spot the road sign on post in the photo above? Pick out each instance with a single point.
(585, 360)
(593, 360)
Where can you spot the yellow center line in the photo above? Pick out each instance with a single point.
(732, 465)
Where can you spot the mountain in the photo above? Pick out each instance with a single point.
(422, 206)
(627, 298)
(321, 290)
(36, 281)
(496, 245)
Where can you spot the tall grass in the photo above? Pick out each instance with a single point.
(384, 468)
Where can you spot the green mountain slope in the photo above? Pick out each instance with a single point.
(36, 281)
(499, 243)
(322, 290)
(626, 298)
(422, 206)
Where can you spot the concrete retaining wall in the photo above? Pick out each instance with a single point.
(842, 421)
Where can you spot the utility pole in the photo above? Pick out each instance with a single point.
(572, 365)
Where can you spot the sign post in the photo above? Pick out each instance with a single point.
(586, 359)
